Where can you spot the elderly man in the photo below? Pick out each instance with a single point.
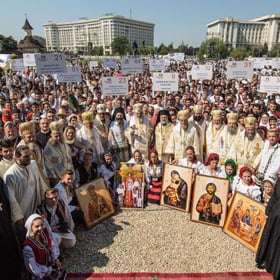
(10, 132)
(231, 133)
(201, 126)
(25, 186)
(139, 133)
(248, 145)
(267, 163)
(184, 134)
(57, 154)
(101, 124)
(162, 134)
(214, 134)
(89, 138)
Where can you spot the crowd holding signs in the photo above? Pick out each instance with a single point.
(94, 136)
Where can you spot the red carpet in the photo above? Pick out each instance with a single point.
(171, 276)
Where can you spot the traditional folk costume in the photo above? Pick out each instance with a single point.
(153, 174)
(90, 139)
(139, 133)
(215, 142)
(181, 138)
(162, 135)
(40, 254)
(57, 155)
(26, 189)
(197, 165)
(245, 151)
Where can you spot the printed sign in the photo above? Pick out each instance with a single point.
(50, 63)
(114, 86)
(71, 75)
(110, 63)
(132, 65)
(157, 65)
(29, 59)
(202, 72)
(240, 70)
(93, 64)
(165, 81)
(4, 59)
(17, 65)
(270, 84)
(177, 56)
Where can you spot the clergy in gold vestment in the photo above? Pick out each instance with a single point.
(162, 134)
(215, 134)
(184, 134)
(139, 132)
(248, 145)
(231, 133)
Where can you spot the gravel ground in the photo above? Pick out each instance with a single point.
(157, 239)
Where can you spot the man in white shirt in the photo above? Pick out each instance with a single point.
(267, 163)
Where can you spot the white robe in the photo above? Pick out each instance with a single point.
(26, 189)
(252, 191)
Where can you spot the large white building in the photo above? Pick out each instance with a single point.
(242, 33)
(85, 34)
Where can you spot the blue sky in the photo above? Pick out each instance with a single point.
(176, 20)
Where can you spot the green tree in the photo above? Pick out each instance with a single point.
(239, 53)
(162, 49)
(7, 44)
(275, 51)
(120, 46)
(97, 51)
(213, 48)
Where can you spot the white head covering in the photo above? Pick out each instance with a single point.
(28, 223)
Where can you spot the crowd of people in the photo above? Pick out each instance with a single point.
(57, 137)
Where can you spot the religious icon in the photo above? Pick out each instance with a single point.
(245, 221)
(210, 200)
(176, 187)
(95, 202)
(131, 188)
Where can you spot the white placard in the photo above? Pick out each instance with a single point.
(50, 63)
(177, 56)
(131, 65)
(275, 63)
(114, 86)
(29, 60)
(93, 63)
(157, 65)
(4, 59)
(202, 72)
(110, 63)
(17, 65)
(240, 70)
(270, 84)
(71, 75)
(165, 81)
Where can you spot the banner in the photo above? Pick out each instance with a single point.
(270, 84)
(165, 81)
(114, 86)
(157, 65)
(17, 65)
(132, 65)
(71, 75)
(110, 63)
(177, 56)
(202, 72)
(50, 63)
(93, 64)
(4, 59)
(29, 59)
(240, 70)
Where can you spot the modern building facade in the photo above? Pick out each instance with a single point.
(242, 33)
(83, 35)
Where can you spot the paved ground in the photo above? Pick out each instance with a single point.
(157, 239)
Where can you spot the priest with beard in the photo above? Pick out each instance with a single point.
(215, 141)
(117, 139)
(248, 145)
(231, 133)
(89, 138)
(268, 254)
(163, 131)
(201, 126)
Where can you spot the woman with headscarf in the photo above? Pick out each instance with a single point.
(40, 251)
(230, 170)
(212, 168)
(245, 184)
